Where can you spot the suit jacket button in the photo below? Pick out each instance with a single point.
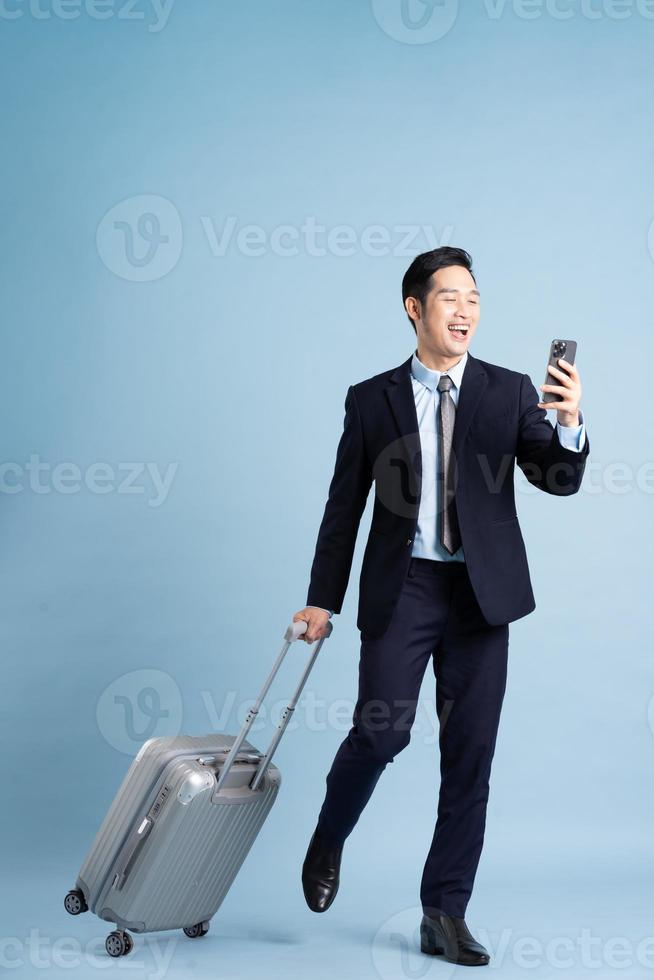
(409, 540)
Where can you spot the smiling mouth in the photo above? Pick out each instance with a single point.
(459, 330)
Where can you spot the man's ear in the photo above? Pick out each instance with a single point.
(412, 307)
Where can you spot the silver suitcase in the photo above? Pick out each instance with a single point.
(181, 825)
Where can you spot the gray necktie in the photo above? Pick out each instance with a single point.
(450, 536)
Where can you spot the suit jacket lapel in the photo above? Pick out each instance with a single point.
(473, 383)
(399, 391)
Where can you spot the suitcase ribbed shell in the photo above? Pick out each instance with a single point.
(198, 840)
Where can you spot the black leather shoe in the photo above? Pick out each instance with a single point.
(448, 936)
(320, 873)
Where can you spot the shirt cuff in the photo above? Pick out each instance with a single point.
(330, 611)
(572, 436)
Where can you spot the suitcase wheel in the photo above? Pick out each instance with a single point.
(119, 943)
(194, 932)
(74, 902)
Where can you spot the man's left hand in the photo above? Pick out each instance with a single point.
(569, 391)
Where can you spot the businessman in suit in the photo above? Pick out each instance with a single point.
(443, 574)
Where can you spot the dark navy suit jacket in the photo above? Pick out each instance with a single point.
(497, 424)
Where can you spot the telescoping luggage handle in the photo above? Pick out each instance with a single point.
(293, 633)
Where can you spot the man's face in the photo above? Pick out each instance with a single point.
(453, 301)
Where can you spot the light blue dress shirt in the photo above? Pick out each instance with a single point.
(426, 543)
(424, 380)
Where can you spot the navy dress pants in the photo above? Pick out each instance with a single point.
(436, 617)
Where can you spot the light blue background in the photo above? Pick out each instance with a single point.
(526, 140)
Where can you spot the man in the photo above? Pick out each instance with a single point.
(444, 572)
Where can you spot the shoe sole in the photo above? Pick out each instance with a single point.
(431, 950)
(434, 951)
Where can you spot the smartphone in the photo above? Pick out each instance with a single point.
(558, 348)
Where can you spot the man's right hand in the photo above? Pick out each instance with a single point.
(316, 620)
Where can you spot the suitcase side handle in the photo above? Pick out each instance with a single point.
(135, 844)
(293, 633)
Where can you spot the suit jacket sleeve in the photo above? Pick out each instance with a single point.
(545, 462)
(348, 492)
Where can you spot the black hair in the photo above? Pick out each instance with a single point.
(417, 281)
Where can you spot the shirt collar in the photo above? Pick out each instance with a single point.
(430, 378)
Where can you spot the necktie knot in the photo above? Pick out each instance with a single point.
(444, 383)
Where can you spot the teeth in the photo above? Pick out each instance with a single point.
(464, 329)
